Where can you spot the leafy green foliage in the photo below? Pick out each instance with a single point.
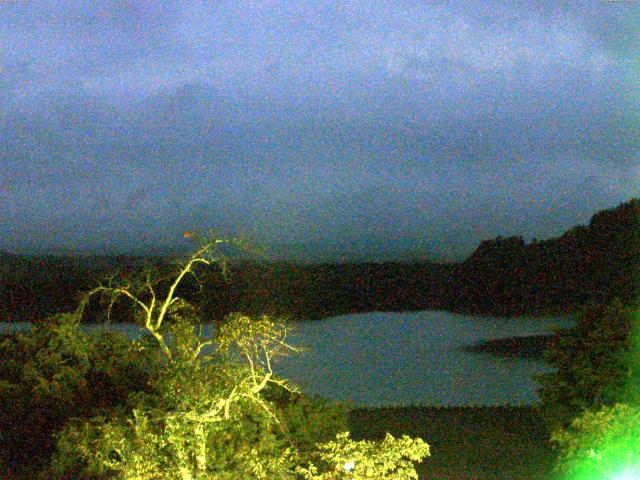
(391, 458)
(309, 421)
(57, 372)
(206, 418)
(591, 402)
(213, 408)
(194, 401)
(600, 444)
(593, 363)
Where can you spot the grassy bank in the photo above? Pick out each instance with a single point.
(478, 443)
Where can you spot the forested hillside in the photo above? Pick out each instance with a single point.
(588, 263)
(503, 276)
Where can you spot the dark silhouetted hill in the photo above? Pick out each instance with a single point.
(503, 276)
(596, 262)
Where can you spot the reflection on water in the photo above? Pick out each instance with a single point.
(385, 358)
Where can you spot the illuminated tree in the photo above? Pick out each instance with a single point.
(214, 408)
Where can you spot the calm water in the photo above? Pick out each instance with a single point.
(407, 358)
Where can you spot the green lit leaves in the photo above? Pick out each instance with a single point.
(213, 407)
(601, 444)
(345, 458)
(592, 361)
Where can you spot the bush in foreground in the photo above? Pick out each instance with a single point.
(209, 407)
(593, 363)
(603, 444)
(56, 372)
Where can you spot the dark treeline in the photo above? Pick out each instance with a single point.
(504, 276)
(316, 291)
(593, 263)
(32, 288)
(43, 287)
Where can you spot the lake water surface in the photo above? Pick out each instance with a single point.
(385, 358)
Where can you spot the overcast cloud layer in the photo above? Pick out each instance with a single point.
(373, 129)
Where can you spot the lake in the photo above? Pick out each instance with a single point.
(407, 358)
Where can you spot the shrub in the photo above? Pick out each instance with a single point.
(593, 363)
(602, 444)
(213, 408)
(344, 458)
(57, 372)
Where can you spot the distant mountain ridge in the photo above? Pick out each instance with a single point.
(503, 276)
(594, 262)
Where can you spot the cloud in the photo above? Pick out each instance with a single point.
(299, 117)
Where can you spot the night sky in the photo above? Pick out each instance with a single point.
(365, 130)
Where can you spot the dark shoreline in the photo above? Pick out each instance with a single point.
(530, 346)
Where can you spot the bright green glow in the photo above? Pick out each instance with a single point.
(628, 474)
(605, 444)
(617, 457)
